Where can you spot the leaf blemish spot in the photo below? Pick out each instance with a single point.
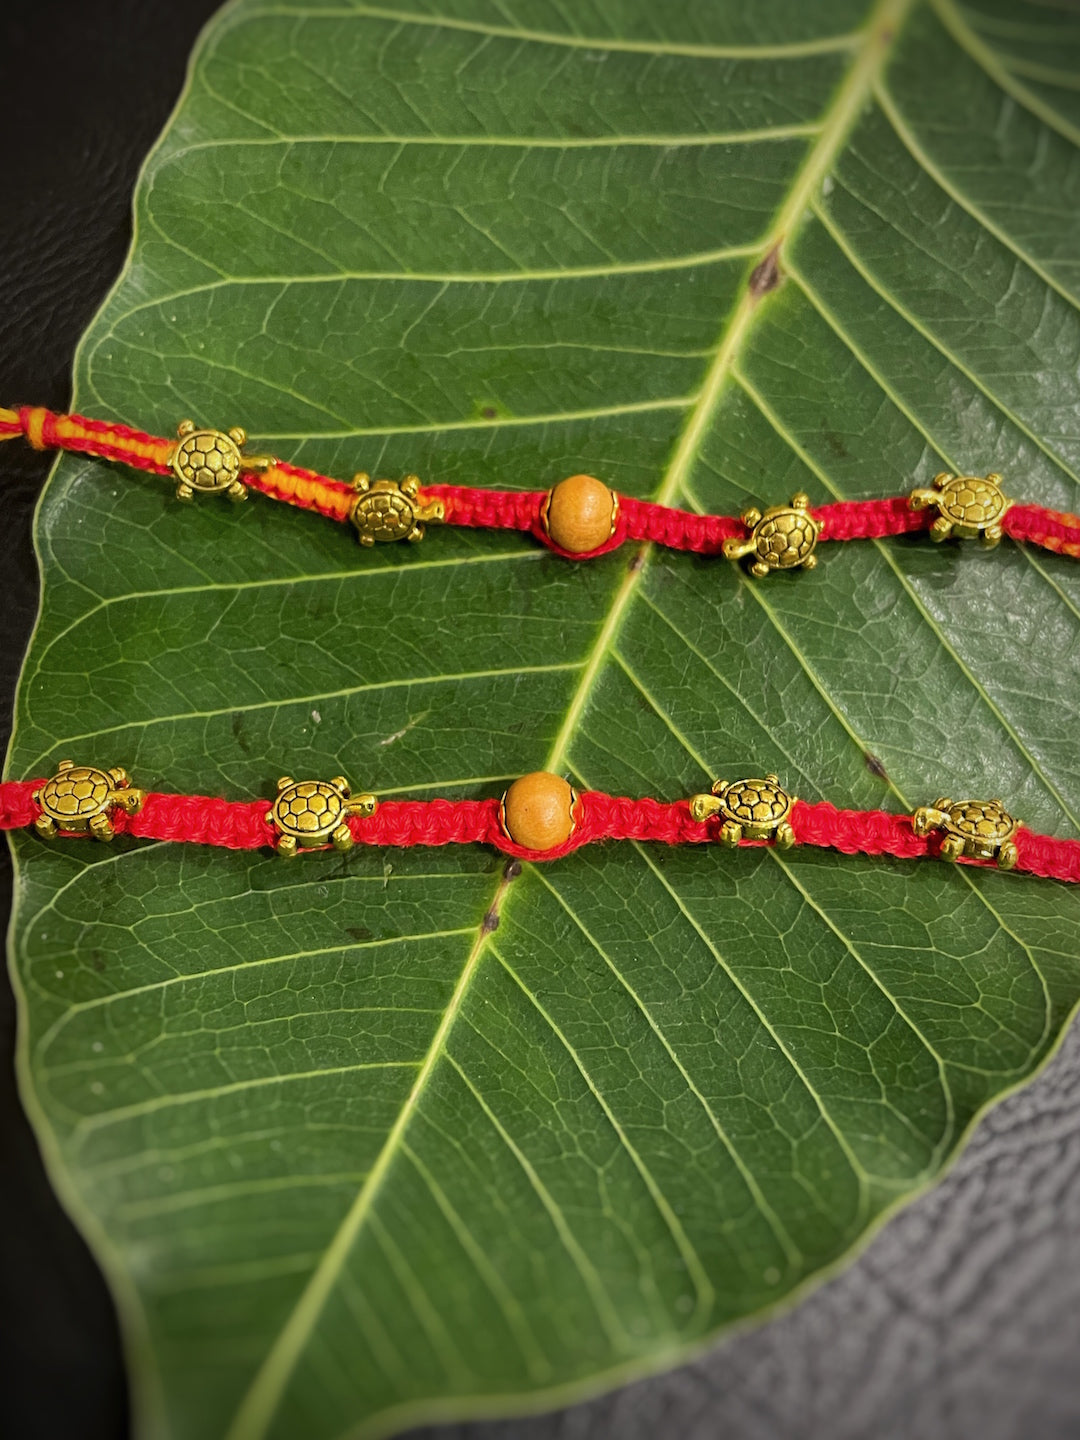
(836, 445)
(490, 922)
(239, 731)
(413, 720)
(766, 275)
(513, 870)
(876, 767)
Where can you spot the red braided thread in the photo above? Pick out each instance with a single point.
(1043, 855)
(520, 510)
(17, 807)
(599, 817)
(611, 817)
(664, 525)
(857, 832)
(243, 825)
(429, 822)
(870, 519)
(488, 509)
(512, 510)
(200, 820)
(637, 520)
(1052, 529)
(678, 529)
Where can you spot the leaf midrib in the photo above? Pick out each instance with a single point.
(258, 1406)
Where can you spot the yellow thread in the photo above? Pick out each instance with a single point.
(306, 491)
(156, 450)
(35, 427)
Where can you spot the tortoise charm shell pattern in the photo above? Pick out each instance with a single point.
(750, 810)
(209, 462)
(782, 538)
(311, 813)
(79, 800)
(387, 510)
(975, 829)
(968, 506)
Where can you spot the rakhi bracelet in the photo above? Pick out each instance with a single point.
(539, 817)
(579, 518)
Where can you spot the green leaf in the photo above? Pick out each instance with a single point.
(365, 1139)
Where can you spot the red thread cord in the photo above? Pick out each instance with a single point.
(1043, 855)
(243, 825)
(874, 832)
(639, 520)
(856, 832)
(17, 807)
(870, 519)
(488, 509)
(1052, 529)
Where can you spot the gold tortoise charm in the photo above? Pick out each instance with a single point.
(209, 461)
(977, 829)
(967, 506)
(386, 510)
(316, 812)
(782, 538)
(80, 799)
(751, 810)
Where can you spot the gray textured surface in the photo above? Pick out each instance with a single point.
(961, 1319)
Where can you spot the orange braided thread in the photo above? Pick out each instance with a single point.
(306, 489)
(520, 510)
(48, 431)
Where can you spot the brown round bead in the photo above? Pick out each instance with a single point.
(580, 513)
(538, 811)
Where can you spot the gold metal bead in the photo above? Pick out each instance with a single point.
(975, 829)
(316, 812)
(386, 510)
(580, 514)
(968, 507)
(782, 538)
(538, 811)
(80, 800)
(749, 809)
(210, 462)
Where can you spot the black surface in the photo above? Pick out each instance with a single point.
(85, 89)
(961, 1319)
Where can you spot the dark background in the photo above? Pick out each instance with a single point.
(961, 1319)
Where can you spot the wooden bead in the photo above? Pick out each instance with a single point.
(538, 811)
(580, 513)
